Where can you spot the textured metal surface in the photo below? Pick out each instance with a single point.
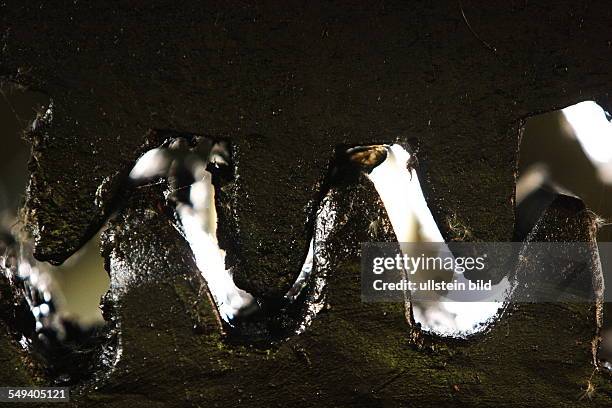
(287, 85)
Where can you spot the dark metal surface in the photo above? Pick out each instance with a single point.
(286, 85)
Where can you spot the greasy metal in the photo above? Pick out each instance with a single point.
(287, 84)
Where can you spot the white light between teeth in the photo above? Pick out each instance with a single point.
(153, 163)
(594, 133)
(592, 130)
(408, 212)
(199, 221)
(401, 193)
